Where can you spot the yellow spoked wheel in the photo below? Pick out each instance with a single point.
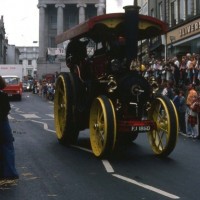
(163, 138)
(65, 125)
(102, 127)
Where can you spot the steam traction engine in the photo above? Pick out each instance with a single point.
(103, 90)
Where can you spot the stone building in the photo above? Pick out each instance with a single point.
(3, 42)
(12, 54)
(28, 58)
(183, 18)
(54, 18)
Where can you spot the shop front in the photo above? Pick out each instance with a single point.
(184, 39)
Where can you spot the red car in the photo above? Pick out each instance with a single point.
(13, 86)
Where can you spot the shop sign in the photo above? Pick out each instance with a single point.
(191, 28)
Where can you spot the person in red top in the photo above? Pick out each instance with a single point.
(191, 116)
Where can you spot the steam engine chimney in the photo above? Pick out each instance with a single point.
(131, 31)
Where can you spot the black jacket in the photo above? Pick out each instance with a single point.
(4, 106)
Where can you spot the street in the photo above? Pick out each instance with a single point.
(49, 170)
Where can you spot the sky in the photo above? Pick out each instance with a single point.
(117, 5)
(21, 19)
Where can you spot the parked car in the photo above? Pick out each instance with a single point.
(27, 86)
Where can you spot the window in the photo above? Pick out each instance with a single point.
(145, 9)
(91, 11)
(11, 80)
(152, 12)
(71, 16)
(29, 62)
(52, 22)
(1, 47)
(190, 6)
(20, 62)
(182, 10)
(29, 72)
(198, 6)
(173, 13)
(160, 13)
(52, 42)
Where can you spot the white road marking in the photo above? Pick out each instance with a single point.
(9, 117)
(50, 115)
(110, 169)
(30, 116)
(107, 166)
(45, 126)
(148, 187)
(82, 148)
(17, 110)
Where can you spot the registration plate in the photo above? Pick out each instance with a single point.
(140, 128)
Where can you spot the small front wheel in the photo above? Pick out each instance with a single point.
(102, 127)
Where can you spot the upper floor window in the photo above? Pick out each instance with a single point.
(152, 12)
(53, 22)
(29, 62)
(182, 10)
(90, 11)
(174, 12)
(173, 21)
(70, 16)
(160, 13)
(20, 62)
(145, 9)
(1, 47)
(52, 42)
(190, 8)
(197, 6)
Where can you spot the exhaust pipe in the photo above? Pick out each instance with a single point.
(131, 31)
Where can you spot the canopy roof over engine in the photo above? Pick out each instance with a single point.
(101, 26)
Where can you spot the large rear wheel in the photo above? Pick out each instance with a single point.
(163, 138)
(102, 127)
(65, 119)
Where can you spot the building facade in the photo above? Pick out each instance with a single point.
(3, 42)
(183, 18)
(12, 54)
(184, 22)
(28, 58)
(54, 18)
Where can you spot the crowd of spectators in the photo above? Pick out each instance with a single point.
(180, 71)
(179, 79)
(45, 89)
